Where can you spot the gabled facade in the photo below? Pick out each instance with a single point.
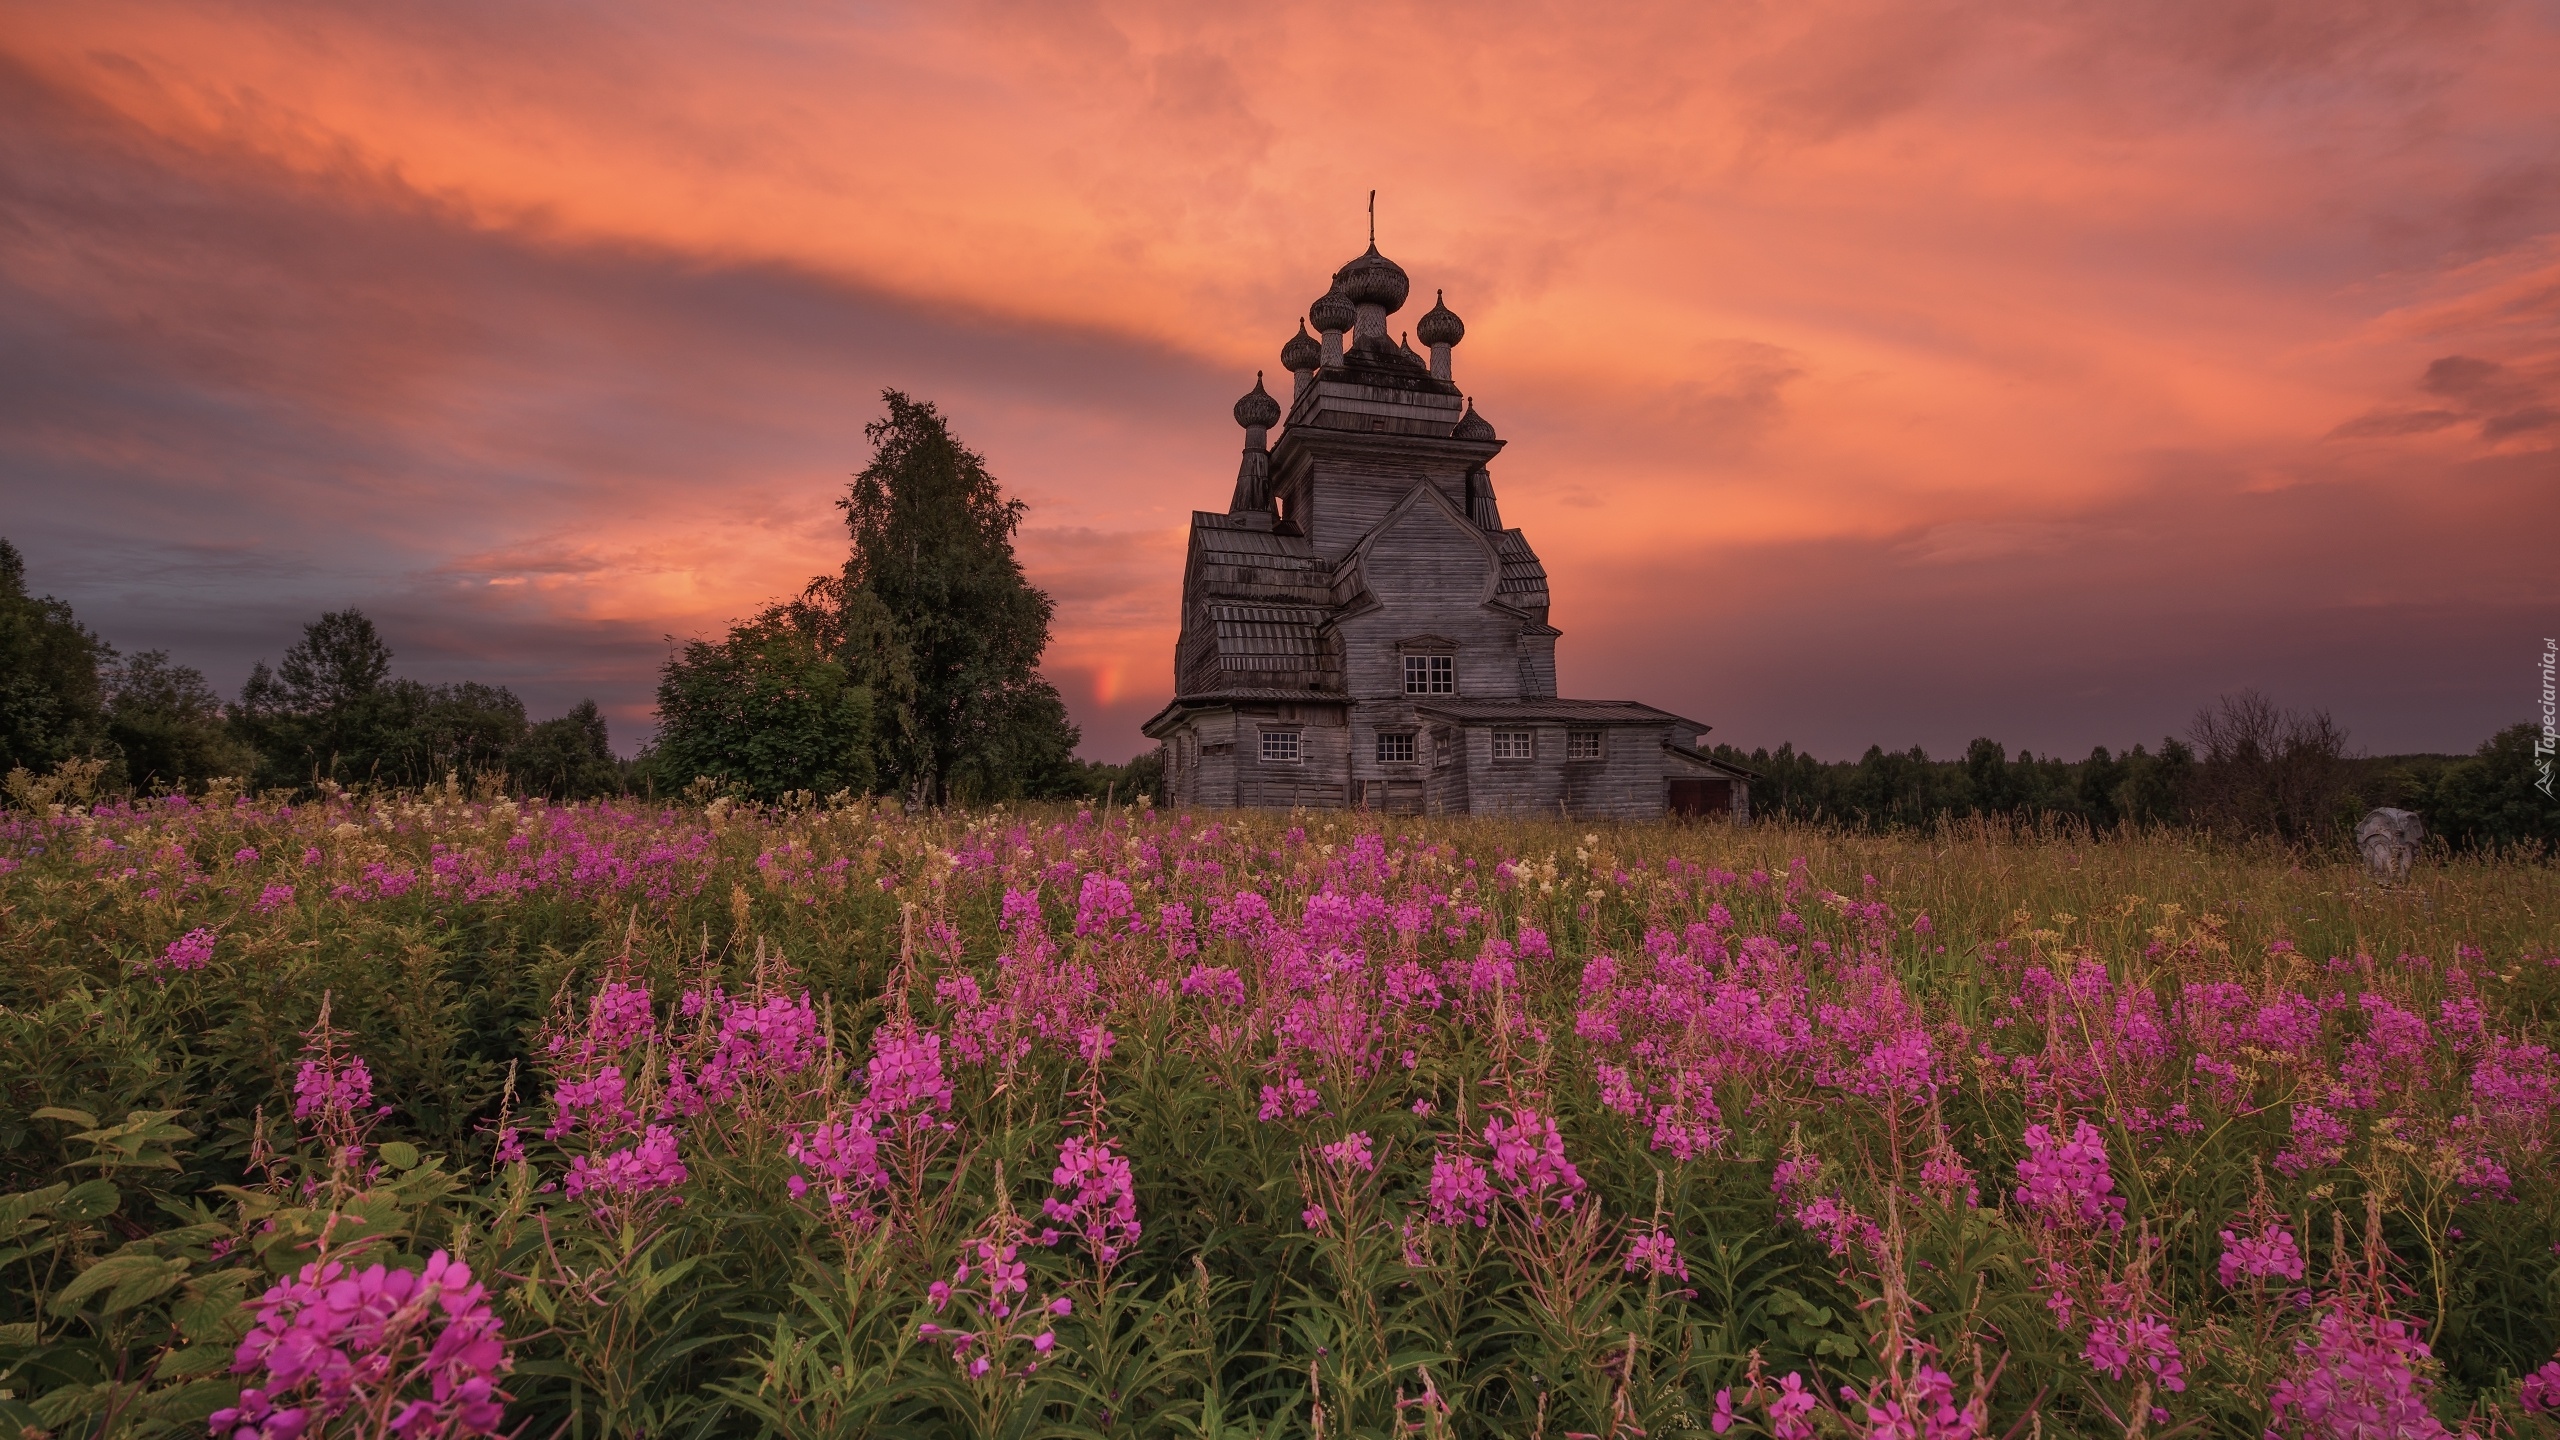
(1359, 628)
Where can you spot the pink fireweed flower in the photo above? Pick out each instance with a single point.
(2357, 1374)
(274, 898)
(1925, 1410)
(1945, 1176)
(1102, 1204)
(598, 1100)
(1618, 1090)
(770, 1040)
(424, 1346)
(1351, 1152)
(618, 1017)
(1215, 983)
(1840, 1226)
(2540, 1393)
(1657, 1252)
(1291, 1099)
(843, 1154)
(1103, 904)
(1314, 1217)
(1461, 1192)
(1021, 910)
(2116, 1346)
(2265, 1256)
(1690, 1125)
(905, 1073)
(1528, 1156)
(1788, 1408)
(2319, 1140)
(2067, 1181)
(325, 1093)
(989, 1291)
(245, 855)
(652, 1165)
(191, 951)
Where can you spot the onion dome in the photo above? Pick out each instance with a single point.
(1301, 352)
(1257, 409)
(1472, 426)
(1331, 312)
(1440, 325)
(1373, 279)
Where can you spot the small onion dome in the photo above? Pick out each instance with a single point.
(1472, 426)
(1257, 408)
(1331, 312)
(1302, 352)
(1373, 279)
(1440, 325)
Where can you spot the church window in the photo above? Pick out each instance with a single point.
(1279, 747)
(1431, 674)
(1582, 745)
(1515, 745)
(1395, 749)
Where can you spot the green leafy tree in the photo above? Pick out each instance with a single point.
(169, 724)
(332, 710)
(1986, 768)
(938, 618)
(408, 733)
(318, 714)
(1027, 753)
(2494, 799)
(765, 710)
(52, 704)
(568, 758)
(2154, 787)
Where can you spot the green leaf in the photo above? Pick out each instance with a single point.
(212, 1311)
(91, 1199)
(399, 1154)
(16, 1210)
(187, 1406)
(196, 1360)
(12, 1254)
(131, 1275)
(81, 1118)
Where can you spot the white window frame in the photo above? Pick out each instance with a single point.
(1431, 674)
(1283, 747)
(1586, 745)
(1390, 741)
(1514, 746)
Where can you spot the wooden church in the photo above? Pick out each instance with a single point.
(1360, 629)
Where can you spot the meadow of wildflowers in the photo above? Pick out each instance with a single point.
(440, 1115)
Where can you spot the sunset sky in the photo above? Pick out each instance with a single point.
(1894, 373)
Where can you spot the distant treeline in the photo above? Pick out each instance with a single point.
(910, 673)
(2247, 767)
(331, 711)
